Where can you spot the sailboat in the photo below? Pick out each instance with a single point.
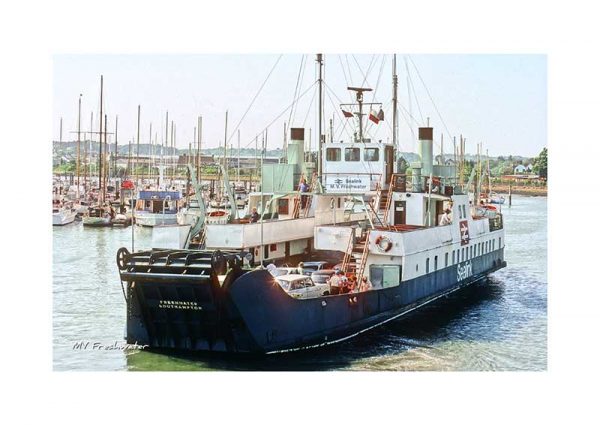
(100, 215)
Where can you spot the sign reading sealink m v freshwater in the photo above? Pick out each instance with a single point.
(347, 184)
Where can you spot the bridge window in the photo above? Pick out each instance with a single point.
(435, 263)
(446, 260)
(427, 266)
(352, 154)
(334, 154)
(462, 254)
(453, 257)
(371, 154)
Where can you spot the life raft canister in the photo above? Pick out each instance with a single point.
(383, 243)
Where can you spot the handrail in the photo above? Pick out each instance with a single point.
(348, 252)
(363, 259)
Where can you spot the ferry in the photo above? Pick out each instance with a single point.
(413, 237)
(217, 299)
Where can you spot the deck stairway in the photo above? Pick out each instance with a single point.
(356, 254)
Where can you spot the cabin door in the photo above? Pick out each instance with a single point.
(389, 163)
(399, 212)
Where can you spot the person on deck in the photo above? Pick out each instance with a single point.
(254, 216)
(334, 283)
(365, 285)
(445, 220)
(303, 189)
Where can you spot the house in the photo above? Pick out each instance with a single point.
(520, 169)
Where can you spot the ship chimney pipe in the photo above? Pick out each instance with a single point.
(426, 149)
(295, 148)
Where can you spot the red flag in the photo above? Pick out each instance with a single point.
(347, 114)
(373, 117)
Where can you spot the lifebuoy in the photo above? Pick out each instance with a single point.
(383, 243)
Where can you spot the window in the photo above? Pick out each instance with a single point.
(385, 276)
(499, 243)
(435, 263)
(352, 154)
(265, 251)
(371, 154)
(446, 260)
(273, 247)
(427, 266)
(334, 154)
(339, 202)
(462, 254)
(494, 244)
(464, 211)
(472, 251)
(453, 257)
(467, 253)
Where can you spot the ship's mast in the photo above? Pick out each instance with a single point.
(359, 98)
(320, 61)
(395, 108)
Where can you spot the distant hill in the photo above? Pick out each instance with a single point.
(70, 148)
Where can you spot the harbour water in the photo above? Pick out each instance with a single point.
(498, 325)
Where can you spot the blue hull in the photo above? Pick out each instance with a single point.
(250, 313)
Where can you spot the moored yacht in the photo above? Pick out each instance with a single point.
(157, 207)
(63, 214)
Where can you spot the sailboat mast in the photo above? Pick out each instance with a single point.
(320, 61)
(151, 153)
(166, 136)
(78, 143)
(137, 153)
(116, 145)
(199, 159)
(238, 161)
(225, 167)
(106, 164)
(100, 191)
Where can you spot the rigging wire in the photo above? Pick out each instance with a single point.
(411, 86)
(296, 89)
(376, 87)
(280, 114)
(431, 98)
(253, 100)
(337, 112)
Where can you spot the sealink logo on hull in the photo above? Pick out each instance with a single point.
(464, 271)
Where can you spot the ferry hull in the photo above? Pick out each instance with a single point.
(250, 313)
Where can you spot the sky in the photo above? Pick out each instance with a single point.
(497, 100)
